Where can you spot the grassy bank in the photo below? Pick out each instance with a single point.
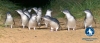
(7, 6)
(76, 7)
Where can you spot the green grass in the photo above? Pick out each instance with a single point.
(7, 6)
(76, 7)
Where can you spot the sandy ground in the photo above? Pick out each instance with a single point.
(44, 35)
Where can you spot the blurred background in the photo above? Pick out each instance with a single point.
(31, 3)
(76, 7)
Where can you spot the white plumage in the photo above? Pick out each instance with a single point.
(32, 22)
(71, 20)
(48, 13)
(39, 16)
(24, 18)
(9, 20)
(53, 22)
(88, 19)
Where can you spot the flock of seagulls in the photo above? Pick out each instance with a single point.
(34, 20)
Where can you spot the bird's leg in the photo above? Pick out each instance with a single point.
(39, 24)
(29, 28)
(23, 26)
(34, 28)
(74, 28)
(56, 28)
(90, 26)
(51, 29)
(11, 26)
(85, 26)
(46, 24)
(68, 28)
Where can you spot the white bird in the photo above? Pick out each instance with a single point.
(39, 16)
(71, 20)
(24, 18)
(48, 13)
(9, 20)
(53, 22)
(32, 22)
(88, 19)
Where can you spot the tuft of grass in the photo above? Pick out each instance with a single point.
(7, 6)
(76, 7)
